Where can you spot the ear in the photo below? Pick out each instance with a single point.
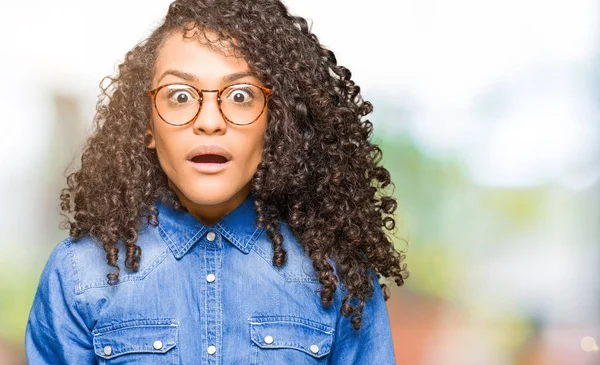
(149, 138)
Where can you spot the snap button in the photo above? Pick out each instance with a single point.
(210, 278)
(107, 350)
(211, 350)
(157, 345)
(314, 349)
(269, 339)
(211, 236)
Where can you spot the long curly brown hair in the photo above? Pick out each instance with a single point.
(319, 170)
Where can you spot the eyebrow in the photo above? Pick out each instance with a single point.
(193, 78)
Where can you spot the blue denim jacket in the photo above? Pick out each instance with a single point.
(202, 295)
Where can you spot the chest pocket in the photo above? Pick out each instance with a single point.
(289, 340)
(138, 342)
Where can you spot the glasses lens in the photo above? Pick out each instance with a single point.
(242, 103)
(177, 104)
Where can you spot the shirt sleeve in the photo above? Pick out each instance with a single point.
(372, 344)
(56, 332)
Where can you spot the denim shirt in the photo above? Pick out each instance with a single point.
(202, 295)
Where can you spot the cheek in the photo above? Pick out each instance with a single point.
(257, 145)
(165, 150)
(252, 155)
(250, 152)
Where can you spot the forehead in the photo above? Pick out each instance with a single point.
(204, 55)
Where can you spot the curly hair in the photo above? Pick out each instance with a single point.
(319, 170)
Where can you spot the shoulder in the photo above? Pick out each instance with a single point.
(84, 259)
(60, 262)
(58, 275)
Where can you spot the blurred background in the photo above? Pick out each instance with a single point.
(488, 114)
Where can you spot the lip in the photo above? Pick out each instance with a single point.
(209, 168)
(209, 150)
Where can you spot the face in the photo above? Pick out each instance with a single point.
(203, 186)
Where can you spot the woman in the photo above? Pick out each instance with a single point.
(229, 208)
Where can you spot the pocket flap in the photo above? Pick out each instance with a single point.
(152, 336)
(272, 332)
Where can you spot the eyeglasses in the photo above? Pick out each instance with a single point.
(180, 104)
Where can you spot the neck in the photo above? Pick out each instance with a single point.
(211, 214)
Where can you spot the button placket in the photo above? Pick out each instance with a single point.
(213, 320)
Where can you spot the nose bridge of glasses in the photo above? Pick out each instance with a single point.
(202, 97)
(202, 91)
(216, 107)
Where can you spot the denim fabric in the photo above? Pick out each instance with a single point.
(202, 295)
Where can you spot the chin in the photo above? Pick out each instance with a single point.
(208, 197)
(209, 190)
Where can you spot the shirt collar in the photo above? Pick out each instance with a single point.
(181, 230)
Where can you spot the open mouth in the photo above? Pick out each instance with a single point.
(209, 158)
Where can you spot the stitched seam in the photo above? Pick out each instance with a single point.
(163, 351)
(257, 233)
(204, 295)
(259, 320)
(232, 238)
(156, 322)
(287, 278)
(220, 299)
(191, 241)
(133, 277)
(78, 286)
(258, 324)
(166, 235)
(325, 343)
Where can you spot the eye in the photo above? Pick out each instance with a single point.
(240, 95)
(180, 96)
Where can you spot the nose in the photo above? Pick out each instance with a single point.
(209, 120)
